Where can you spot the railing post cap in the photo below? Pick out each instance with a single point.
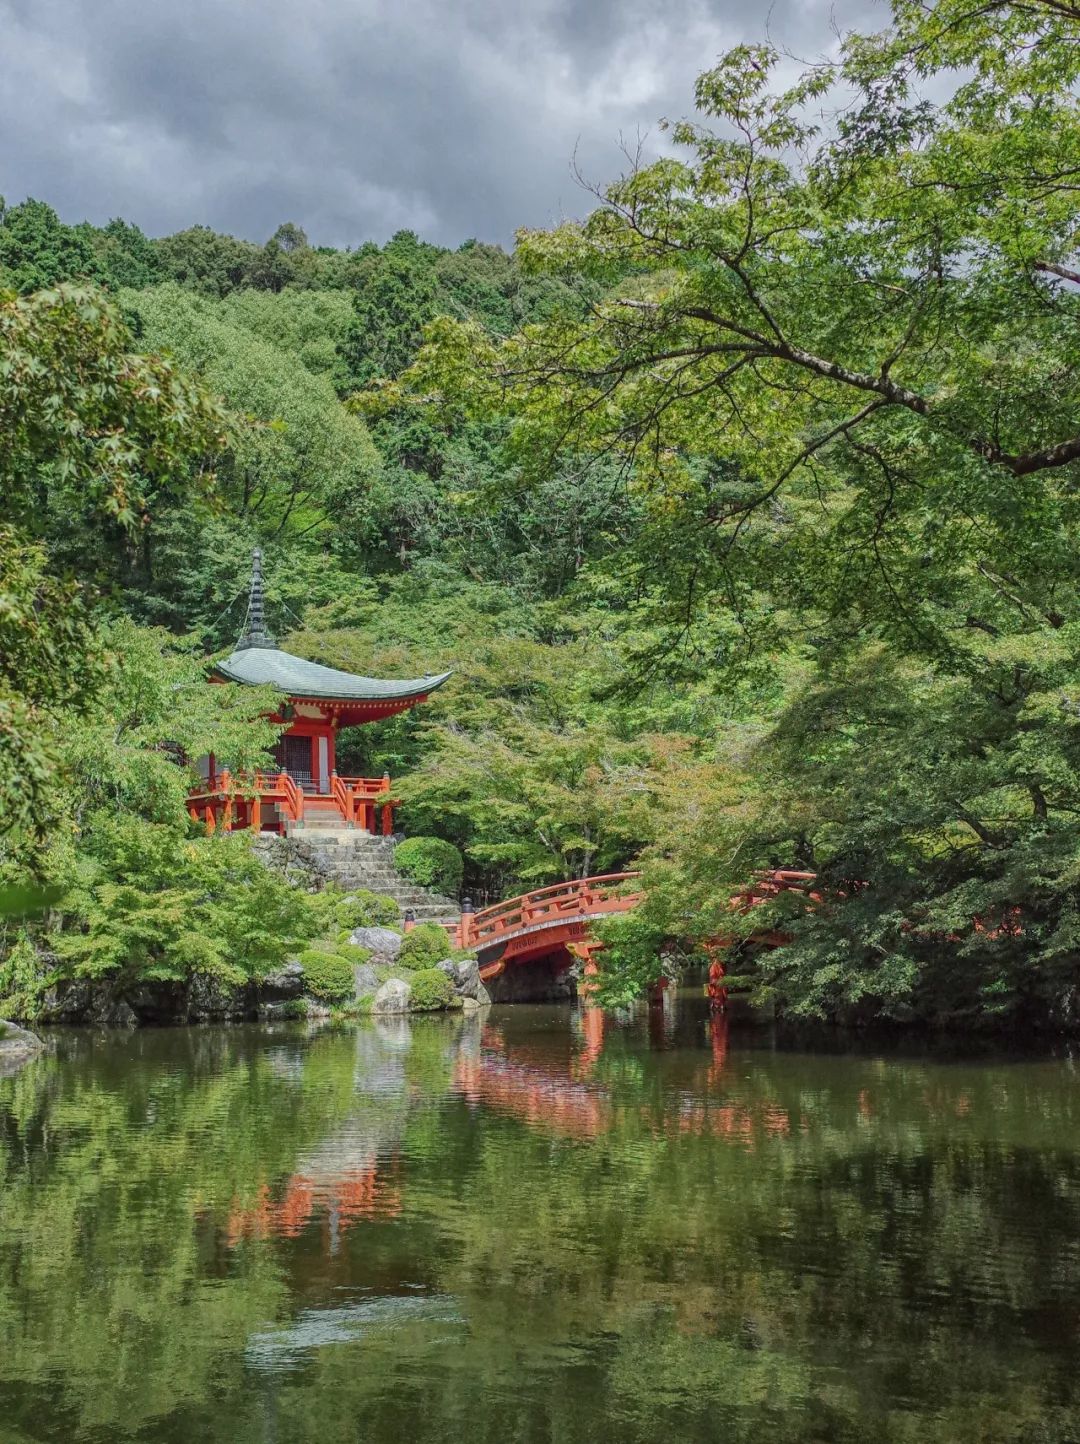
(467, 905)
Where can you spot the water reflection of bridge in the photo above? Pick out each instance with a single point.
(574, 1103)
(358, 1173)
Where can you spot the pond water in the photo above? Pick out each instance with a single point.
(546, 1226)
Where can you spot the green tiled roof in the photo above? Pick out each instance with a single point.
(299, 678)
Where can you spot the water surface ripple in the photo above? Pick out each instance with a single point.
(542, 1226)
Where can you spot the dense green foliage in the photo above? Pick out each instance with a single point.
(744, 512)
(840, 373)
(363, 909)
(431, 990)
(430, 861)
(328, 975)
(424, 946)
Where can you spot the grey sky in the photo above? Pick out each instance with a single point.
(354, 118)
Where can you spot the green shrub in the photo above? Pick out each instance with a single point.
(365, 909)
(327, 975)
(351, 953)
(430, 989)
(294, 1008)
(22, 980)
(431, 862)
(335, 913)
(427, 944)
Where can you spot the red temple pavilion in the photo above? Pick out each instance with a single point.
(318, 702)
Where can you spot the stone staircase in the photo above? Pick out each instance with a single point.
(359, 860)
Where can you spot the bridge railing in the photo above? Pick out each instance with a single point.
(585, 897)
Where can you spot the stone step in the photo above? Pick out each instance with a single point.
(358, 860)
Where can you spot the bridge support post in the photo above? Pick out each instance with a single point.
(717, 991)
(585, 950)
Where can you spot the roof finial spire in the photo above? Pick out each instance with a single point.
(255, 634)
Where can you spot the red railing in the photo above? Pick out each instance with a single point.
(343, 795)
(231, 802)
(237, 802)
(547, 906)
(366, 800)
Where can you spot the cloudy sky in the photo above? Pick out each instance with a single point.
(354, 118)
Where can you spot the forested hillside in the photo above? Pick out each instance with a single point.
(745, 512)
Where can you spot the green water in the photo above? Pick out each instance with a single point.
(540, 1229)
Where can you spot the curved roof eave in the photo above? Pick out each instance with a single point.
(267, 666)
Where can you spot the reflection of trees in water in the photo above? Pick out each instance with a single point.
(597, 1240)
(876, 1246)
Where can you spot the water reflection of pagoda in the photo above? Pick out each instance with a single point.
(353, 1175)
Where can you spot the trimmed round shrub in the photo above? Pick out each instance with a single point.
(431, 862)
(430, 989)
(327, 975)
(423, 947)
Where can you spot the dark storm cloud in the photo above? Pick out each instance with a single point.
(353, 117)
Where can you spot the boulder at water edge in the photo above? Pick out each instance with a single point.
(392, 997)
(17, 1047)
(465, 976)
(365, 980)
(284, 984)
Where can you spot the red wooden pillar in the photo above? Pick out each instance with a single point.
(256, 813)
(465, 927)
(210, 821)
(387, 819)
(227, 811)
(717, 991)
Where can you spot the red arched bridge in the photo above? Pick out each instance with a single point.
(543, 922)
(558, 918)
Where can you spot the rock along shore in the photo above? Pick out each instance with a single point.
(17, 1047)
